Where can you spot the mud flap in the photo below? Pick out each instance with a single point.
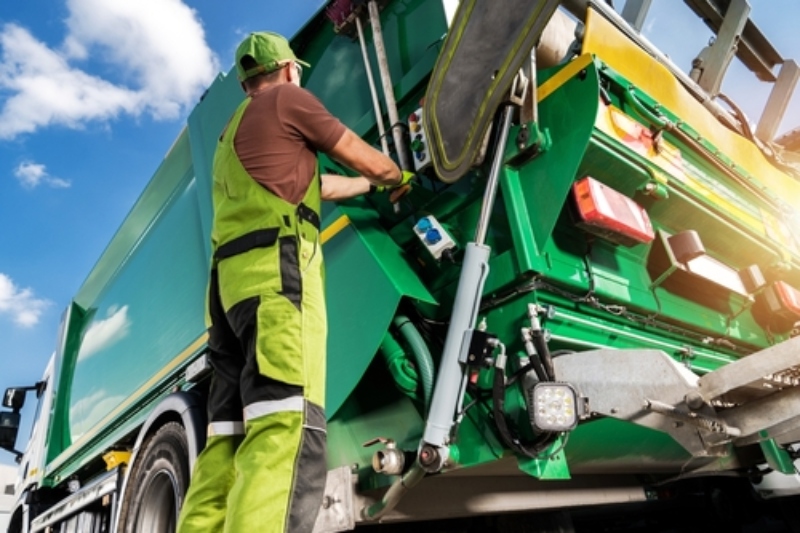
(488, 42)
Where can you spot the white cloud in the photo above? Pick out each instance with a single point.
(31, 175)
(23, 307)
(103, 333)
(155, 49)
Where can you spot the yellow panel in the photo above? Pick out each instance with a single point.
(114, 459)
(636, 137)
(650, 76)
(562, 76)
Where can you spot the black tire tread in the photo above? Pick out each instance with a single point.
(165, 448)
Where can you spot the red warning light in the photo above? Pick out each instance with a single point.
(611, 215)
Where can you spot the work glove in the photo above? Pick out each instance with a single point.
(398, 190)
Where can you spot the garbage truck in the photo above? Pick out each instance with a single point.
(588, 301)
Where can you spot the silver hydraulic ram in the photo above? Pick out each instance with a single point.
(448, 394)
(451, 382)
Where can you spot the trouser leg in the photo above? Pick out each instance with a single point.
(281, 465)
(205, 506)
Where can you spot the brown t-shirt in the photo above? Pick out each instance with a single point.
(279, 136)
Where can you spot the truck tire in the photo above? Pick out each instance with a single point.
(15, 526)
(157, 483)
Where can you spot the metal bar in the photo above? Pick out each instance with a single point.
(754, 50)
(750, 369)
(372, 89)
(724, 47)
(378, 510)
(764, 413)
(494, 176)
(388, 90)
(578, 9)
(106, 484)
(778, 101)
(635, 12)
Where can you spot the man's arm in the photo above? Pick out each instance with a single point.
(372, 164)
(336, 188)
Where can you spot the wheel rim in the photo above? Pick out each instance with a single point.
(159, 508)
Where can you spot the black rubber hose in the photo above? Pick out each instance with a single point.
(537, 336)
(533, 449)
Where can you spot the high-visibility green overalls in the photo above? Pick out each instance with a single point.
(264, 465)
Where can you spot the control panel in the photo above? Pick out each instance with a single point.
(433, 236)
(419, 143)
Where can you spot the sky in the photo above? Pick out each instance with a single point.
(93, 92)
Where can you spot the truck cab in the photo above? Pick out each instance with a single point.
(31, 460)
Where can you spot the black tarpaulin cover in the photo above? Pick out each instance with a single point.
(488, 42)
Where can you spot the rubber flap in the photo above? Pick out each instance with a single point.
(488, 42)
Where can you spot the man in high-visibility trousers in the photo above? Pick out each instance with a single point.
(264, 466)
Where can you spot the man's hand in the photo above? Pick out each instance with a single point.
(405, 179)
(399, 189)
(396, 192)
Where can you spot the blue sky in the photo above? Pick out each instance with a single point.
(92, 94)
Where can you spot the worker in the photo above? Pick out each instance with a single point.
(264, 465)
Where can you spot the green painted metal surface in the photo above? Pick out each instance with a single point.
(366, 275)
(550, 466)
(142, 306)
(777, 457)
(58, 422)
(546, 181)
(129, 332)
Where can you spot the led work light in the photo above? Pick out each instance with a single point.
(554, 406)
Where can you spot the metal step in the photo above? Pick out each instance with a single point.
(100, 487)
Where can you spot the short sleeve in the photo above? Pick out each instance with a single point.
(302, 112)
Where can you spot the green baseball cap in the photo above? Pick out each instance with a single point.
(269, 50)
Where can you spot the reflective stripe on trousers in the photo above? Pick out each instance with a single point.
(225, 428)
(268, 407)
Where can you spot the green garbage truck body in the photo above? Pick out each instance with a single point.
(589, 297)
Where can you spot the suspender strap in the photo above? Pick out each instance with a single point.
(308, 214)
(260, 238)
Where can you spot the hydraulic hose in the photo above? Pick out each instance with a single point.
(409, 377)
(537, 336)
(530, 449)
(422, 356)
(404, 374)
